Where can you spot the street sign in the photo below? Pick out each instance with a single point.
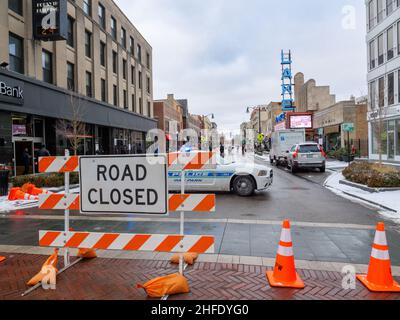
(348, 127)
(135, 184)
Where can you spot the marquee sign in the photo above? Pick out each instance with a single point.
(49, 20)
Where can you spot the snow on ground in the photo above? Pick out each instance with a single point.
(335, 164)
(387, 199)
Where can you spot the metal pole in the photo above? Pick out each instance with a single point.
(182, 222)
(348, 147)
(259, 120)
(66, 215)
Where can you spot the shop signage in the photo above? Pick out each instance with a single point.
(281, 126)
(49, 20)
(123, 184)
(11, 91)
(348, 127)
(18, 129)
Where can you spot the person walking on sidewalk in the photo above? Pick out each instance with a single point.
(26, 158)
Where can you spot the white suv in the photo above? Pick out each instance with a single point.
(306, 155)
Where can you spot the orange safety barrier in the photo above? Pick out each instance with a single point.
(379, 277)
(284, 274)
(168, 285)
(18, 194)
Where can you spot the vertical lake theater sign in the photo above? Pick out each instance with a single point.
(49, 19)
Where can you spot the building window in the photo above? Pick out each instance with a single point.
(140, 80)
(123, 38)
(89, 91)
(380, 50)
(87, 7)
(103, 49)
(125, 100)
(132, 46)
(88, 44)
(115, 95)
(139, 52)
(380, 10)
(148, 60)
(16, 53)
(398, 37)
(47, 66)
(148, 85)
(70, 76)
(149, 108)
(70, 32)
(372, 54)
(133, 74)
(102, 16)
(115, 62)
(103, 90)
(397, 137)
(113, 28)
(371, 14)
(140, 105)
(16, 6)
(390, 88)
(381, 92)
(124, 66)
(389, 6)
(390, 44)
(372, 95)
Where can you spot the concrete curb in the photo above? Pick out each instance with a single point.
(215, 258)
(366, 188)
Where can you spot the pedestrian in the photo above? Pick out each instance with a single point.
(222, 150)
(26, 158)
(43, 152)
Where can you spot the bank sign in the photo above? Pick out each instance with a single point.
(11, 91)
(49, 20)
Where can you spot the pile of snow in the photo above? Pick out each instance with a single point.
(336, 164)
(388, 199)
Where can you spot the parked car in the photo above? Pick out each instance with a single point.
(308, 155)
(227, 176)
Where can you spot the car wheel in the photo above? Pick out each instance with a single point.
(322, 169)
(243, 186)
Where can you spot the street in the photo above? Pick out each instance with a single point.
(325, 226)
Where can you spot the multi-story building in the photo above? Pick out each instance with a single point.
(383, 43)
(98, 71)
(258, 119)
(169, 114)
(274, 109)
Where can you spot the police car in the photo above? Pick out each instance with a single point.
(228, 176)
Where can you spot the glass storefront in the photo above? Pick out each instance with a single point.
(388, 134)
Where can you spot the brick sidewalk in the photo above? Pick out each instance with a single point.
(115, 279)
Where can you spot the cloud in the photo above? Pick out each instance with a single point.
(224, 55)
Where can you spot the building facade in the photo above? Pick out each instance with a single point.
(383, 44)
(170, 115)
(274, 109)
(99, 74)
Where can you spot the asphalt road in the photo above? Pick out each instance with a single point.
(326, 227)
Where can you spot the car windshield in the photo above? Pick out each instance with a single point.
(309, 148)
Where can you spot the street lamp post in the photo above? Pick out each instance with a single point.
(259, 116)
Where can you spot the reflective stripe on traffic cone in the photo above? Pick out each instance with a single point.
(18, 194)
(284, 274)
(379, 277)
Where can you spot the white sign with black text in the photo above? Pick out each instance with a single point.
(135, 184)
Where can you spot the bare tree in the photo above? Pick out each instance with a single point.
(73, 130)
(378, 113)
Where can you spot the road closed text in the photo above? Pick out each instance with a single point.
(122, 185)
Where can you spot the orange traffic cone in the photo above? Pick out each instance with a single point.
(33, 190)
(2, 258)
(379, 277)
(18, 194)
(284, 274)
(52, 262)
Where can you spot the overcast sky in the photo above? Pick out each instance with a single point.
(224, 55)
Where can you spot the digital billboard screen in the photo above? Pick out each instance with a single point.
(301, 122)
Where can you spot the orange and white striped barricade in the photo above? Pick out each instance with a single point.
(177, 202)
(127, 242)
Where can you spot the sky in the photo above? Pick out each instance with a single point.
(224, 55)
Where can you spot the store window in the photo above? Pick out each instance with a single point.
(397, 137)
(16, 53)
(21, 126)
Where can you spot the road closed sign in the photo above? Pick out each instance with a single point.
(123, 184)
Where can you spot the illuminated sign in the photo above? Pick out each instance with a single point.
(301, 122)
(11, 91)
(49, 20)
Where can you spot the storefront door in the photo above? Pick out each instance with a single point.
(20, 145)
